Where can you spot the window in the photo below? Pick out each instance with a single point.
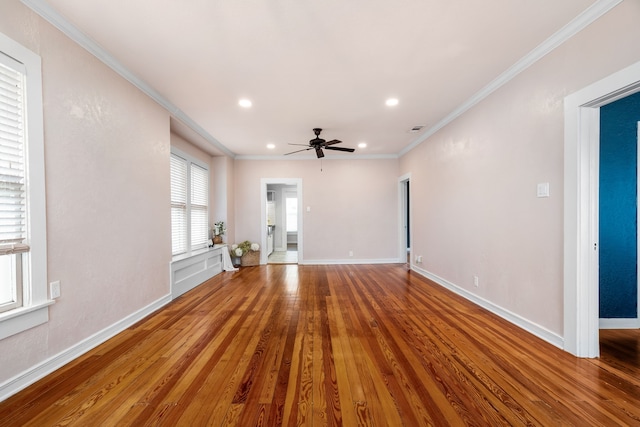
(189, 203)
(178, 205)
(199, 206)
(13, 201)
(23, 260)
(291, 206)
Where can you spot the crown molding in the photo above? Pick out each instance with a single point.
(43, 9)
(591, 14)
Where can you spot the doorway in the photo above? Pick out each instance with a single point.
(282, 222)
(404, 220)
(581, 244)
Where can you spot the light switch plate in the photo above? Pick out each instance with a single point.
(543, 189)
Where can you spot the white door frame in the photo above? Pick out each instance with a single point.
(402, 215)
(263, 213)
(581, 172)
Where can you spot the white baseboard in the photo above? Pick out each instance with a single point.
(350, 261)
(619, 323)
(33, 374)
(533, 328)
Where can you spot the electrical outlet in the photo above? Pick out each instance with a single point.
(476, 281)
(54, 289)
(350, 253)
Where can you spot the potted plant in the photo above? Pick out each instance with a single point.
(249, 253)
(218, 230)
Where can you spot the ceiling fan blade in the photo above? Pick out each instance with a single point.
(319, 152)
(350, 150)
(333, 141)
(302, 145)
(304, 149)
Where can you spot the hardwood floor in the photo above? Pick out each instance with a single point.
(332, 345)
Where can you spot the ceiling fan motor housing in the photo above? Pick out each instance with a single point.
(317, 141)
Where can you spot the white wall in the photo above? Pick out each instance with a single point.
(107, 182)
(353, 205)
(473, 184)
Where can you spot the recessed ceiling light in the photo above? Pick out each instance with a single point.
(392, 102)
(245, 103)
(271, 146)
(362, 145)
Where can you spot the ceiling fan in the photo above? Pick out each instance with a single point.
(318, 144)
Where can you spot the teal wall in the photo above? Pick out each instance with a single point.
(618, 208)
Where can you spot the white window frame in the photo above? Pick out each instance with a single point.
(190, 160)
(34, 310)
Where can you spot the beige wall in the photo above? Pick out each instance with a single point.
(475, 210)
(190, 149)
(107, 181)
(353, 205)
(222, 183)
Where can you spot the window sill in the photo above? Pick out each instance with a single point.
(191, 254)
(15, 321)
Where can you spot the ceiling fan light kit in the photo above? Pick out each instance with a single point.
(318, 144)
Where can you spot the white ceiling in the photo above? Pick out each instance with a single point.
(305, 64)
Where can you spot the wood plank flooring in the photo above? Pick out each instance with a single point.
(332, 345)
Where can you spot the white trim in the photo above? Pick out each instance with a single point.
(33, 374)
(533, 328)
(20, 319)
(591, 14)
(54, 18)
(619, 323)
(581, 164)
(350, 261)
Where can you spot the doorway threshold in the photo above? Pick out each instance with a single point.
(283, 257)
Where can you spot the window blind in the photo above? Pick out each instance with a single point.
(178, 205)
(13, 218)
(199, 211)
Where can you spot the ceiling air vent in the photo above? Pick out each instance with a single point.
(416, 129)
